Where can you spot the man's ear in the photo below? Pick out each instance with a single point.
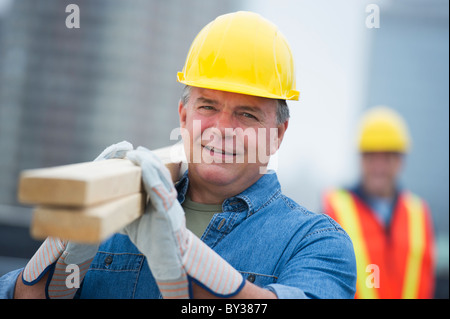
(182, 114)
(281, 129)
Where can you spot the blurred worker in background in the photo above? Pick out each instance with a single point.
(225, 229)
(390, 227)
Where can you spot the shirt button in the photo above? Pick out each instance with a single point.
(251, 278)
(222, 222)
(108, 260)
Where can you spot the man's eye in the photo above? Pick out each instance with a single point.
(249, 116)
(206, 107)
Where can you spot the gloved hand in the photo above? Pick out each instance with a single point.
(57, 255)
(118, 150)
(60, 284)
(174, 254)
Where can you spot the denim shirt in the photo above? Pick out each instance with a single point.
(271, 240)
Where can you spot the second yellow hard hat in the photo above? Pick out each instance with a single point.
(383, 130)
(244, 53)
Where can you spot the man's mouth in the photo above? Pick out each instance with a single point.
(215, 150)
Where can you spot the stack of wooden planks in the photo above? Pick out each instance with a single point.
(87, 202)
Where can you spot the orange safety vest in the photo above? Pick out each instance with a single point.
(392, 263)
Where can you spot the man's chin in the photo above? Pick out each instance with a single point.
(378, 188)
(220, 174)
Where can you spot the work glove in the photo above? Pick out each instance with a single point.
(68, 261)
(175, 255)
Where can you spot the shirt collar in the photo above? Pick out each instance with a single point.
(251, 200)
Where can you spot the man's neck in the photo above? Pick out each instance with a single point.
(206, 193)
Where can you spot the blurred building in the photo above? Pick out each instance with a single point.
(66, 94)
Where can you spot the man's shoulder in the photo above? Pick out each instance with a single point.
(307, 231)
(313, 222)
(407, 194)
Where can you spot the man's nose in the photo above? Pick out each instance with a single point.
(224, 123)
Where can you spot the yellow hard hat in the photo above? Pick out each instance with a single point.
(244, 53)
(383, 130)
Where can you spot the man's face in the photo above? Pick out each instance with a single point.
(380, 171)
(227, 136)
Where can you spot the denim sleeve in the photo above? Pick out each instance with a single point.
(286, 292)
(8, 284)
(323, 267)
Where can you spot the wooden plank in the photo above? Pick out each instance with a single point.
(80, 184)
(83, 184)
(91, 224)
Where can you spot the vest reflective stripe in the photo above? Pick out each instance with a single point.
(347, 216)
(417, 239)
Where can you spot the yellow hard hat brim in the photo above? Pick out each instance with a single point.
(236, 88)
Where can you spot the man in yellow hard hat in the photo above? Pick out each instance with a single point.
(225, 229)
(391, 228)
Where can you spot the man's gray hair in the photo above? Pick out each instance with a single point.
(282, 107)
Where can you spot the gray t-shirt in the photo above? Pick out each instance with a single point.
(199, 215)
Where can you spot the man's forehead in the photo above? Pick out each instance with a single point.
(382, 155)
(202, 95)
